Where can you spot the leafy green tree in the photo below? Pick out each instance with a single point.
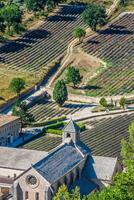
(20, 109)
(60, 93)
(94, 15)
(79, 33)
(73, 76)
(64, 194)
(17, 85)
(127, 151)
(35, 5)
(11, 15)
(122, 102)
(103, 102)
(50, 5)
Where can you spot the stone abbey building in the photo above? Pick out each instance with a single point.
(9, 129)
(38, 175)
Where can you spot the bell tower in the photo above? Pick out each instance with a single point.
(71, 132)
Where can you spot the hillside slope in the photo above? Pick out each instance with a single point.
(115, 45)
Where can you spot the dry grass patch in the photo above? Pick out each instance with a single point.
(6, 75)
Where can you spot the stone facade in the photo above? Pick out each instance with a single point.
(9, 129)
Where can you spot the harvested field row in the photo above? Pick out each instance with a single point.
(43, 110)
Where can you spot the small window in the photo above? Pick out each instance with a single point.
(68, 135)
(37, 196)
(26, 195)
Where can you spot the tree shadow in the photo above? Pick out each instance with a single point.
(29, 38)
(92, 41)
(71, 10)
(58, 18)
(115, 30)
(90, 87)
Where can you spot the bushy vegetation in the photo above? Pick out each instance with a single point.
(10, 18)
(48, 122)
(20, 110)
(12, 12)
(94, 15)
(17, 85)
(79, 33)
(73, 76)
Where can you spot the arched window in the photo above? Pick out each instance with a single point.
(26, 195)
(37, 196)
(65, 180)
(71, 177)
(78, 173)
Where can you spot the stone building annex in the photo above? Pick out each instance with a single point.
(36, 175)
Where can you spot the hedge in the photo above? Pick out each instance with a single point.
(48, 122)
(82, 127)
(56, 125)
(55, 131)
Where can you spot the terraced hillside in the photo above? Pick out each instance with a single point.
(39, 47)
(44, 110)
(103, 139)
(115, 45)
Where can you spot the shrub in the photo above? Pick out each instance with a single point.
(48, 122)
(103, 102)
(56, 125)
(82, 127)
(54, 131)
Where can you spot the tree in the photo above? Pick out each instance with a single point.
(127, 151)
(50, 5)
(79, 33)
(94, 15)
(103, 102)
(34, 5)
(17, 85)
(124, 2)
(11, 15)
(122, 102)
(73, 76)
(64, 194)
(60, 93)
(20, 109)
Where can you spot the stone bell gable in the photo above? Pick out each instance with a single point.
(71, 132)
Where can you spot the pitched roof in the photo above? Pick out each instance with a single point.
(20, 159)
(86, 186)
(5, 119)
(72, 127)
(100, 167)
(59, 162)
